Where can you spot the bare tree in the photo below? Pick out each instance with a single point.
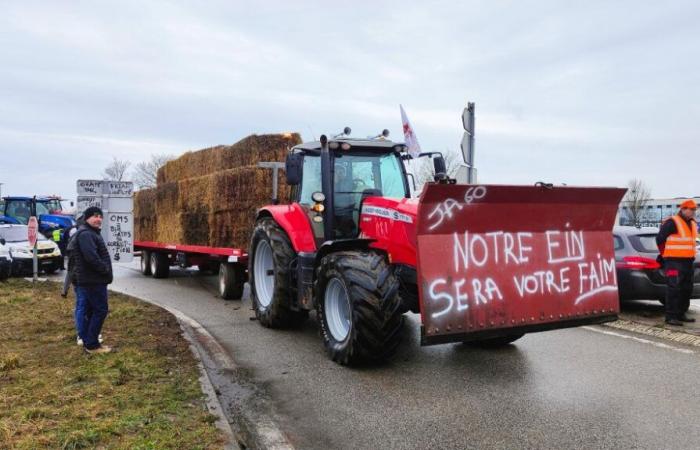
(635, 201)
(424, 171)
(145, 173)
(116, 170)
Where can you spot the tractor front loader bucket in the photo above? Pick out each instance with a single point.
(504, 260)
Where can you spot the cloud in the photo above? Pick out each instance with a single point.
(592, 92)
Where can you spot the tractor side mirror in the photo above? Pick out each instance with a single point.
(292, 168)
(440, 167)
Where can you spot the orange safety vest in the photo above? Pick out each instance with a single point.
(681, 244)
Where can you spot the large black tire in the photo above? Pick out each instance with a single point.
(160, 265)
(146, 262)
(272, 308)
(375, 307)
(496, 342)
(231, 281)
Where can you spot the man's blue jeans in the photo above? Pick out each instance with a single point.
(90, 312)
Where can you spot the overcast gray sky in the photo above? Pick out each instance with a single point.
(585, 93)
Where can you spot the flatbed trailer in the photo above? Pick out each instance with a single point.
(231, 264)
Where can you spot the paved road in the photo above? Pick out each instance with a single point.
(576, 388)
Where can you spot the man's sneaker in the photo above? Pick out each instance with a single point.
(686, 319)
(100, 349)
(80, 341)
(675, 322)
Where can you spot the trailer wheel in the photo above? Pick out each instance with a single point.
(160, 265)
(146, 262)
(231, 281)
(271, 255)
(359, 309)
(496, 342)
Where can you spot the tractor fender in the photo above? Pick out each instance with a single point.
(294, 222)
(342, 244)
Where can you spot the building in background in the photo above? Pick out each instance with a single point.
(653, 212)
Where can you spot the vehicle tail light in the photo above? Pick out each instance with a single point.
(638, 263)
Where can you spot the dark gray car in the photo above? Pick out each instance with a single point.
(639, 275)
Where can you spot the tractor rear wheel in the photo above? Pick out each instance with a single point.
(359, 309)
(269, 273)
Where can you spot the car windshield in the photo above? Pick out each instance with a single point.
(17, 234)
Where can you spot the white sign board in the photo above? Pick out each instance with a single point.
(119, 188)
(84, 202)
(118, 233)
(90, 187)
(115, 200)
(119, 204)
(467, 149)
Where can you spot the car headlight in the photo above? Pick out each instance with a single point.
(20, 252)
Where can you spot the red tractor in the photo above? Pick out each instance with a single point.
(479, 263)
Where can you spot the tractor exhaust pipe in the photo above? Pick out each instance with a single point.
(327, 186)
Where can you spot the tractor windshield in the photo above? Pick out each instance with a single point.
(357, 174)
(22, 210)
(54, 206)
(354, 174)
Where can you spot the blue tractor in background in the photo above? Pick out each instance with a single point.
(49, 213)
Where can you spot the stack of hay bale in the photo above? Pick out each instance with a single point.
(209, 197)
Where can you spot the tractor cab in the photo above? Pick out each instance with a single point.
(18, 210)
(331, 178)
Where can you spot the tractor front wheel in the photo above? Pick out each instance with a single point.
(359, 309)
(269, 273)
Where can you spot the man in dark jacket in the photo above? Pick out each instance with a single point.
(91, 272)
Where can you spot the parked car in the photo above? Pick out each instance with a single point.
(48, 253)
(639, 275)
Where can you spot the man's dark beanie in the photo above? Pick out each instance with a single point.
(91, 211)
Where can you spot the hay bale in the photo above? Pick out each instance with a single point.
(167, 196)
(246, 152)
(145, 215)
(210, 197)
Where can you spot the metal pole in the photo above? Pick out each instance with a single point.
(35, 264)
(472, 113)
(35, 256)
(327, 187)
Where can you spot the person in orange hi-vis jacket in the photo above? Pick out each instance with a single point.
(676, 241)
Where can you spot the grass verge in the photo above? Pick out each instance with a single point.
(146, 395)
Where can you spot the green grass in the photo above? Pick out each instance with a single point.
(146, 395)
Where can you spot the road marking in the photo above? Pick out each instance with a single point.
(641, 340)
